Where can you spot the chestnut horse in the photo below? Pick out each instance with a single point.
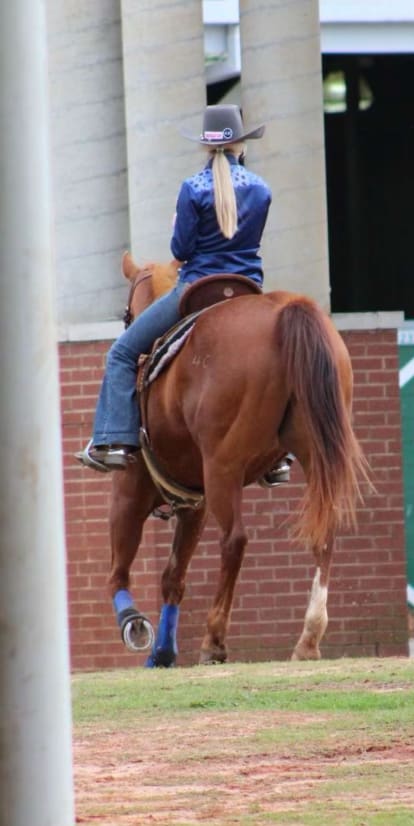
(257, 377)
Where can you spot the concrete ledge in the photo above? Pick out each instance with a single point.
(109, 330)
(98, 331)
(381, 320)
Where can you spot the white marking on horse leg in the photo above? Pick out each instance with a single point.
(316, 620)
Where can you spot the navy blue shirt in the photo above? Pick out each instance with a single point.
(197, 239)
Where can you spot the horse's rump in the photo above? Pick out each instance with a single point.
(250, 369)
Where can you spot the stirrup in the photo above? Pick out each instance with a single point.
(278, 475)
(110, 458)
(85, 458)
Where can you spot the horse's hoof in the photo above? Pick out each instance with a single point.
(217, 657)
(137, 633)
(161, 659)
(301, 653)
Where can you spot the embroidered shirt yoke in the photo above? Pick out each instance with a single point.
(197, 239)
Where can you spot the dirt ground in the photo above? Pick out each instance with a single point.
(227, 769)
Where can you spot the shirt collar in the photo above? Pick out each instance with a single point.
(230, 157)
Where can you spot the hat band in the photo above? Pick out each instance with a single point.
(225, 135)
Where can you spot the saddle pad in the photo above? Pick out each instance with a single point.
(167, 347)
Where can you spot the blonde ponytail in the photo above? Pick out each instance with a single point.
(224, 195)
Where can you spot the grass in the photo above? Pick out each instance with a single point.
(344, 685)
(310, 744)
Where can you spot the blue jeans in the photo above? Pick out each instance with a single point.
(117, 419)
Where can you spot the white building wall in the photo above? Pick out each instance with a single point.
(90, 147)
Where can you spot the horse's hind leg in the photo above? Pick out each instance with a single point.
(294, 436)
(187, 533)
(316, 617)
(225, 502)
(133, 499)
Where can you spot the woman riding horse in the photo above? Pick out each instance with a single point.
(220, 218)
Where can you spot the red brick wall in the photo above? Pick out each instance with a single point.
(367, 602)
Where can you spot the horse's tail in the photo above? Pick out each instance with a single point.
(319, 377)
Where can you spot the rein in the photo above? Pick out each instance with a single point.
(128, 317)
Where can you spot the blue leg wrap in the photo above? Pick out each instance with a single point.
(122, 601)
(165, 648)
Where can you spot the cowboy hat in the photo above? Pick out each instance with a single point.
(223, 124)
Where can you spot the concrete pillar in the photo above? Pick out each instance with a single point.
(282, 84)
(164, 79)
(35, 735)
(89, 158)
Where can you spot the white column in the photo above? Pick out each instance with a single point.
(282, 84)
(163, 53)
(35, 731)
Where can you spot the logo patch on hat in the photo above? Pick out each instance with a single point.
(227, 133)
(214, 136)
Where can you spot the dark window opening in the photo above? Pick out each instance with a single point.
(369, 139)
(216, 91)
